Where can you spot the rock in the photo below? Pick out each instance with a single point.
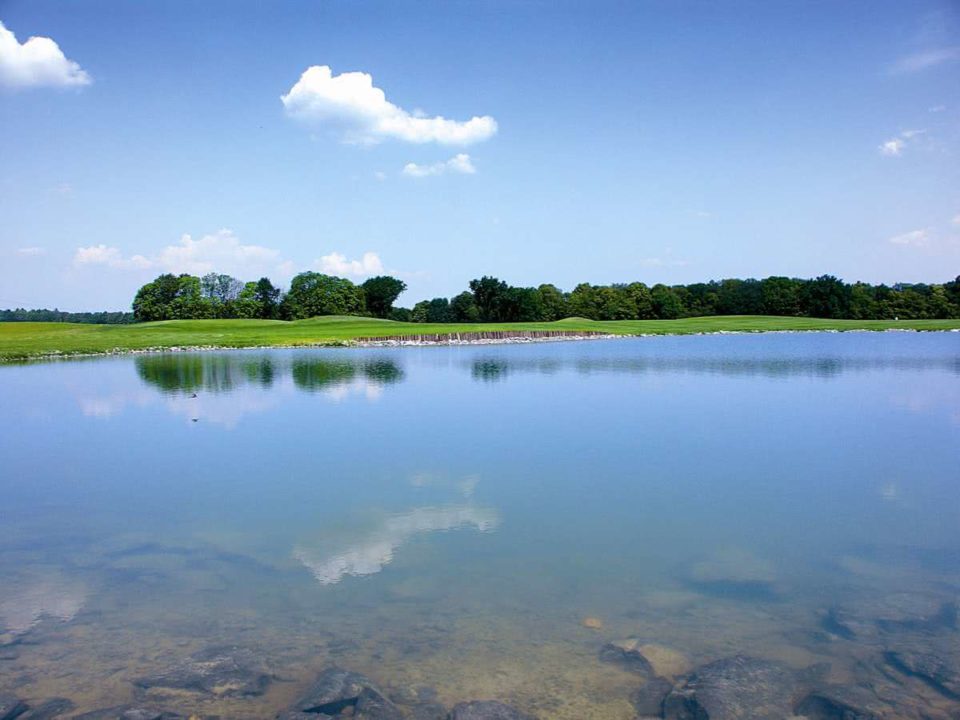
(297, 715)
(592, 623)
(648, 700)
(841, 703)
(129, 712)
(736, 688)
(338, 691)
(842, 623)
(55, 707)
(487, 710)
(648, 659)
(937, 670)
(917, 614)
(371, 705)
(219, 671)
(734, 573)
(11, 706)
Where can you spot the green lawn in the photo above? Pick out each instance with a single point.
(19, 341)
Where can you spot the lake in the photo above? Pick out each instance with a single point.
(480, 522)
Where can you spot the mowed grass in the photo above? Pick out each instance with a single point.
(20, 341)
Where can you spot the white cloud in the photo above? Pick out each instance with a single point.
(380, 175)
(352, 105)
(925, 59)
(38, 62)
(221, 252)
(916, 238)
(31, 251)
(937, 108)
(955, 220)
(460, 163)
(894, 147)
(110, 256)
(338, 264)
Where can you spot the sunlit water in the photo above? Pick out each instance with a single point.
(449, 516)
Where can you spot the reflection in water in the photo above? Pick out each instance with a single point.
(25, 601)
(375, 549)
(498, 368)
(224, 372)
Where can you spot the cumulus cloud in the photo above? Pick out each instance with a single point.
(925, 59)
(31, 251)
(110, 256)
(38, 62)
(221, 251)
(916, 238)
(337, 264)
(460, 164)
(361, 113)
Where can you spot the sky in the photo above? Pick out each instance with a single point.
(564, 142)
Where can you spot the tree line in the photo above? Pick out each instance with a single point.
(489, 299)
(188, 297)
(44, 315)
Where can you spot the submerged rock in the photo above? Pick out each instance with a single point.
(917, 614)
(648, 659)
(55, 707)
(337, 691)
(11, 706)
(648, 700)
(736, 688)
(627, 654)
(938, 670)
(219, 671)
(130, 712)
(841, 703)
(487, 710)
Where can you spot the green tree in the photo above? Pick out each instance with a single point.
(381, 292)
(432, 311)
(489, 294)
(666, 304)
(268, 299)
(312, 294)
(553, 302)
(463, 308)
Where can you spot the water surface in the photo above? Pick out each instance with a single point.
(448, 516)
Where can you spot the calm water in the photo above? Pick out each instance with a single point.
(449, 516)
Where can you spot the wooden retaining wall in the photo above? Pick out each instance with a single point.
(486, 335)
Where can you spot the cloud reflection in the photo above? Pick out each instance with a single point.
(376, 548)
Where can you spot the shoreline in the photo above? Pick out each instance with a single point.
(453, 340)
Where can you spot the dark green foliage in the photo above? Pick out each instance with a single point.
(492, 300)
(381, 292)
(312, 294)
(432, 311)
(92, 318)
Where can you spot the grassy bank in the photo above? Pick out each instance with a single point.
(19, 341)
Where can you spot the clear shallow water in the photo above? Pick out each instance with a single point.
(449, 516)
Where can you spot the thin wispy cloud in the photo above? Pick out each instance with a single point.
(37, 62)
(460, 164)
(359, 112)
(925, 59)
(895, 146)
(31, 251)
(914, 238)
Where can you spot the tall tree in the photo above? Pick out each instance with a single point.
(381, 292)
(313, 293)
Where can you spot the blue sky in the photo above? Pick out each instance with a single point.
(538, 142)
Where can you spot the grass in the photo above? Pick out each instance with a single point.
(22, 341)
